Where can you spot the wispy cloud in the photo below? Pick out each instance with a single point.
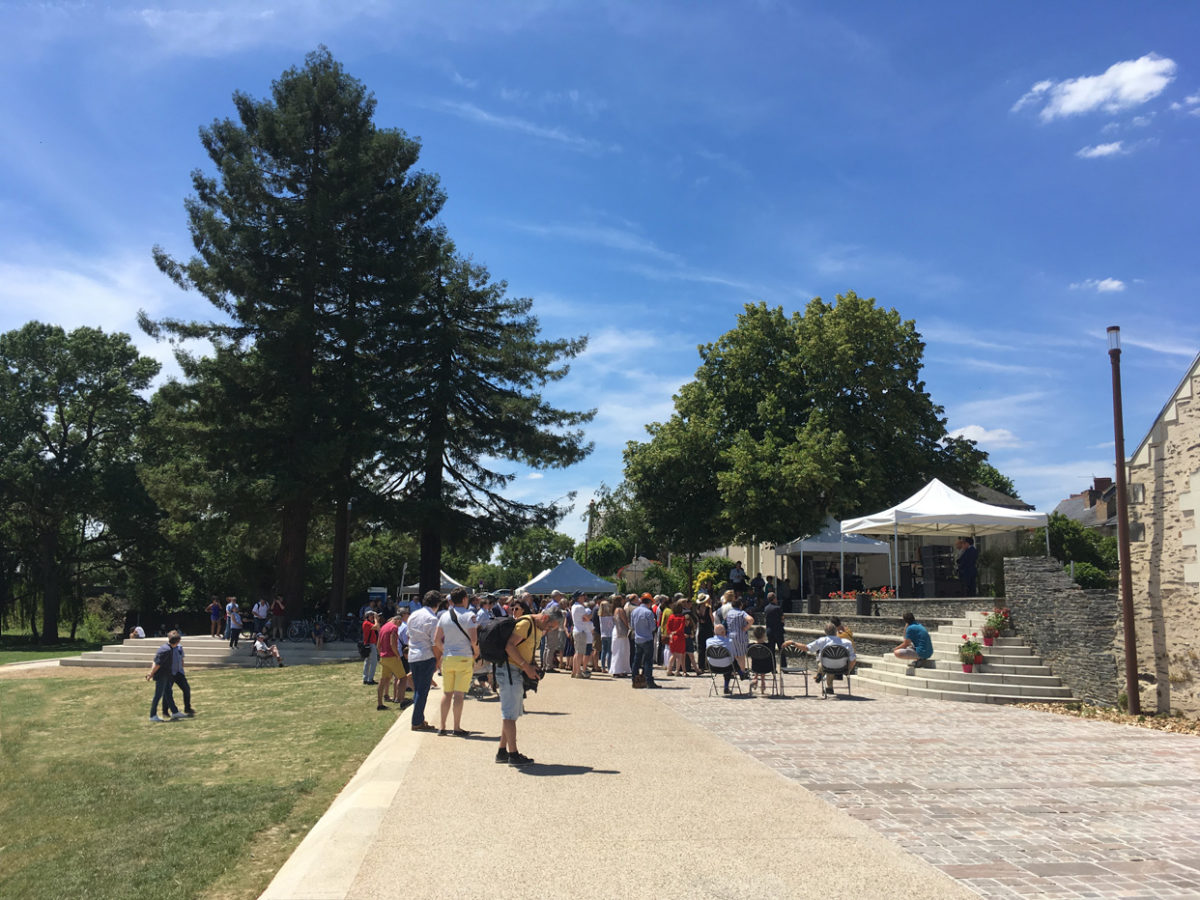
(1045, 484)
(474, 113)
(1116, 148)
(998, 368)
(722, 161)
(609, 236)
(1099, 285)
(985, 437)
(1008, 407)
(950, 335)
(1122, 86)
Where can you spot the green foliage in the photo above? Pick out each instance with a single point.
(73, 509)
(602, 555)
(712, 573)
(1072, 542)
(618, 515)
(989, 476)
(526, 554)
(1088, 576)
(790, 418)
(659, 579)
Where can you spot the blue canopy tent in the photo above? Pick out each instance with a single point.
(568, 576)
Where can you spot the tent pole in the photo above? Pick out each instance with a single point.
(896, 558)
(801, 577)
(1047, 537)
(842, 565)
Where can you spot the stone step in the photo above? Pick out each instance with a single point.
(912, 690)
(207, 652)
(1007, 646)
(984, 671)
(974, 683)
(948, 663)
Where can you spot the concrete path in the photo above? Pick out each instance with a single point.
(628, 798)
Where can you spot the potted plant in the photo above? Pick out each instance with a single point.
(996, 624)
(970, 652)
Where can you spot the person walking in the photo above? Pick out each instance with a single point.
(162, 673)
(179, 678)
(370, 638)
(422, 656)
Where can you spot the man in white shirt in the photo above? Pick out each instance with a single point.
(831, 637)
(422, 656)
(554, 639)
(261, 612)
(582, 633)
(455, 640)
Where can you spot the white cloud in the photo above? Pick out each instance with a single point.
(1116, 148)
(473, 113)
(1007, 407)
(1100, 286)
(1045, 484)
(1122, 86)
(534, 476)
(604, 236)
(994, 437)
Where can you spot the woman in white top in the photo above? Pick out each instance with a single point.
(606, 635)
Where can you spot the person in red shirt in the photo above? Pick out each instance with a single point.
(370, 637)
(390, 661)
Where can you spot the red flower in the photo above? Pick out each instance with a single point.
(964, 637)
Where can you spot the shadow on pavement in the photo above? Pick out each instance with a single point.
(542, 770)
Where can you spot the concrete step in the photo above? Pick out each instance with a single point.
(984, 671)
(948, 663)
(1007, 646)
(914, 690)
(973, 683)
(207, 652)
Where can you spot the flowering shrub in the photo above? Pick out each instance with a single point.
(969, 648)
(997, 621)
(843, 595)
(883, 593)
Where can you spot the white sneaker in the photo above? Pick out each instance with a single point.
(178, 715)
(156, 719)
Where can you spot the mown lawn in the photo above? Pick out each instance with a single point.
(96, 801)
(21, 648)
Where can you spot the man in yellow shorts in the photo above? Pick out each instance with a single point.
(391, 663)
(455, 639)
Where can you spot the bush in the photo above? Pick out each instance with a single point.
(1088, 576)
(95, 629)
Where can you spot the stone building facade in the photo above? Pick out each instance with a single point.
(1164, 508)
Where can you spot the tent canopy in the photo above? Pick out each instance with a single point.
(448, 584)
(831, 540)
(567, 576)
(937, 509)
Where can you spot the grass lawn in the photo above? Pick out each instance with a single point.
(97, 801)
(21, 648)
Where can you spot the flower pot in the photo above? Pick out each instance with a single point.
(967, 667)
(987, 641)
(979, 659)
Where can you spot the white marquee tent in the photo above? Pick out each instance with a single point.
(937, 509)
(448, 584)
(831, 539)
(567, 576)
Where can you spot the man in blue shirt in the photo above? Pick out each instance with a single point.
(916, 645)
(644, 625)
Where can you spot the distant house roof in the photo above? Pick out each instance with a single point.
(985, 494)
(1077, 509)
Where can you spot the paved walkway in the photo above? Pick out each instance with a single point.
(627, 799)
(1010, 802)
(672, 793)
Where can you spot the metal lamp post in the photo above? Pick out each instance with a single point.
(1132, 693)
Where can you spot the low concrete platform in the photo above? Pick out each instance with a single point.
(203, 651)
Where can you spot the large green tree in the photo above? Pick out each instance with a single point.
(475, 372)
(70, 498)
(529, 552)
(793, 417)
(311, 242)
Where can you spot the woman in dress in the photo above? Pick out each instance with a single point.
(704, 630)
(737, 626)
(676, 640)
(619, 665)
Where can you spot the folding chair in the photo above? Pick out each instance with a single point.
(796, 665)
(263, 659)
(720, 661)
(762, 662)
(835, 661)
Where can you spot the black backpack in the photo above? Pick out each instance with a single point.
(493, 636)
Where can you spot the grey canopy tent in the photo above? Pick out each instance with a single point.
(831, 539)
(448, 584)
(937, 510)
(568, 576)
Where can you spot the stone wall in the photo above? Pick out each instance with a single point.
(1164, 517)
(1073, 630)
(933, 608)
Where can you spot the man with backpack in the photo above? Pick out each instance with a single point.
(510, 643)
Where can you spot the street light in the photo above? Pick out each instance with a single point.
(1132, 694)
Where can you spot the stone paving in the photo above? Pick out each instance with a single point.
(1010, 802)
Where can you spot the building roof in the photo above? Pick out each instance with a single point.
(1182, 391)
(985, 494)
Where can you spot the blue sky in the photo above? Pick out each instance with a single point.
(1013, 176)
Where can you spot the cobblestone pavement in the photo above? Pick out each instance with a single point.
(1010, 802)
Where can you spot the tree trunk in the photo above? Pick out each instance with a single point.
(341, 554)
(51, 588)
(293, 551)
(431, 560)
